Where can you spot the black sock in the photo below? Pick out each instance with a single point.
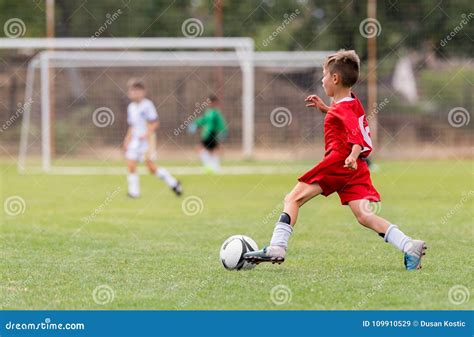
(285, 218)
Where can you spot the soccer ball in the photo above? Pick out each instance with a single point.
(233, 250)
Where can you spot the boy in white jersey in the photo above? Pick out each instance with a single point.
(139, 143)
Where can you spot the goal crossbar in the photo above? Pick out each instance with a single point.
(127, 43)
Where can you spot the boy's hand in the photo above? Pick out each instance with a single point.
(192, 128)
(351, 162)
(314, 101)
(125, 146)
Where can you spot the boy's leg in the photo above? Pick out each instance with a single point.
(164, 175)
(300, 194)
(276, 252)
(205, 157)
(133, 179)
(151, 166)
(366, 217)
(413, 249)
(214, 161)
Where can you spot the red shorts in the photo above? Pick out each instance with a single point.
(332, 176)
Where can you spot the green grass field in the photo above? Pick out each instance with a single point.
(77, 233)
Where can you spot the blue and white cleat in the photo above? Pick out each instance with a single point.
(413, 255)
(273, 254)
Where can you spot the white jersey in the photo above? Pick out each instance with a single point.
(139, 115)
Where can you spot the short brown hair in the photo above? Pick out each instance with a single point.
(347, 64)
(135, 83)
(213, 98)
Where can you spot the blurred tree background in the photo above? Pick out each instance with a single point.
(320, 24)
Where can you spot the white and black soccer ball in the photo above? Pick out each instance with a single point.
(233, 250)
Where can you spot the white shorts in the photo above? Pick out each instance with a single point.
(140, 150)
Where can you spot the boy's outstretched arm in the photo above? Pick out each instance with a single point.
(314, 101)
(351, 160)
(201, 121)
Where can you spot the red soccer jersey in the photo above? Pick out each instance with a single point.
(345, 125)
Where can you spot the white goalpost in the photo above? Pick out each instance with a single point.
(144, 55)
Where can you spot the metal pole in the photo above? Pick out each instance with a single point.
(372, 74)
(45, 113)
(52, 112)
(248, 118)
(219, 31)
(25, 121)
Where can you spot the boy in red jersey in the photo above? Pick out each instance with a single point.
(342, 170)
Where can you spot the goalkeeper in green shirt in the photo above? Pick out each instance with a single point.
(213, 131)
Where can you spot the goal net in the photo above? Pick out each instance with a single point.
(77, 118)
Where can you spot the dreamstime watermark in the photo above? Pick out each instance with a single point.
(374, 290)
(14, 28)
(198, 109)
(103, 294)
(18, 112)
(370, 28)
(287, 19)
(271, 216)
(281, 294)
(459, 117)
(110, 196)
(192, 27)
(378, 107)
(103, 117)
(192, 205)
(46, 325)
(281, 117)
(465, 19)
(457, 207)
(458, 294)
(192, 295)
(14, 205)
(109, 20)
(368, 208)
(13, 292)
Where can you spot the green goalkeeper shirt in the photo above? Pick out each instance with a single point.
(212, 124)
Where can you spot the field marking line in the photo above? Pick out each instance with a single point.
(180, 170)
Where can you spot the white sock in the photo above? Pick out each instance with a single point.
(205, 157)
(215, 162)
(133, 184)
(281, 235)
(397, 238)
(164, 175)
